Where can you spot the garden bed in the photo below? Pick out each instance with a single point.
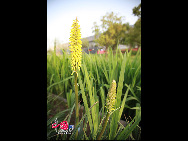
(64, 106)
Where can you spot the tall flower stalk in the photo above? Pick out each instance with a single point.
(110, 103)
(76, 54)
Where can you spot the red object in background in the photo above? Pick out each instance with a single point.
(100, 52)
(134, 49)
(122, 50)
(90, 49)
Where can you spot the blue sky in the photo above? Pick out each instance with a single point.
(61, 13)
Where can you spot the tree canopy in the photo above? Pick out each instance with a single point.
(112, 31)
(135, 33)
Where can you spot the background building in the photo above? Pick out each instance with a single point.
(93, 48)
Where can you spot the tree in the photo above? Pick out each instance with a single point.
(137, 11)
(125, 34)
(96, 31)
(112, 30)
(85, 43)
(134, 35)
(137, 32)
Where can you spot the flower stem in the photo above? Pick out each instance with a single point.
(104, 127)
(76, 104)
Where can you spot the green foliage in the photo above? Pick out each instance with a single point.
(137, 10)
(85, 103)
(85, 43)
(134, 34)
(94, 80)
(112, 30)
(129, 128)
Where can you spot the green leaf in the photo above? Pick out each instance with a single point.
(85, 103)
(80, 122)
(129, 128)
(138, 108)
(123, 103)
(59, 82)
(113, 125)
(58, 115)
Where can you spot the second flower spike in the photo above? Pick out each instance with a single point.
(111, 97)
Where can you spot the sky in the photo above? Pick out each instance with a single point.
(61, 13)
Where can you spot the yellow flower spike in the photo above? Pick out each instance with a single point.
(111, 97)
(75, 47)
(110, 103)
